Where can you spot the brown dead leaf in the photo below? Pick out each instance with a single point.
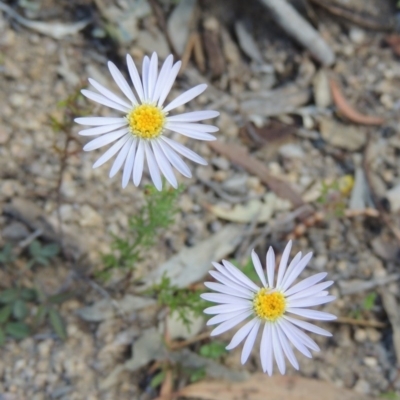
(275, 131)
(348, 111)
(394, 42)
(261, 387)
(167, 385)
(239, 155)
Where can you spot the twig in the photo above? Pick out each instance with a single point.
(347, 288)
(27, 241)
(359, 322)
(184, 343)
(297, 27)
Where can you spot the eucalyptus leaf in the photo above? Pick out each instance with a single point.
(18, 330)
(57, 323)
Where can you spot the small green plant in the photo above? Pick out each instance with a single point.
(197, 374)
(42, 254)
(6, 254)
(213, 350)
(157, 214)
(369, 301)
(390, 396)
(186, 303)
(158, 379)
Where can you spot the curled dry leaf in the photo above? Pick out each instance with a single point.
(348, 111)
(239, 155)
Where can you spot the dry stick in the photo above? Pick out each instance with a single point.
(359, 322)
(297, 27)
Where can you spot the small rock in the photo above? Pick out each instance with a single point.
(89, 216)
(360, 335)
(221, 163)
(291, 150)
(374, 335)
(178, 330)
(153, 41)
(320, 262)
(17, 100)
(15, 231)
(357, 35)
(4, 135)
(362, 386)
(370, 362)
(322, 91)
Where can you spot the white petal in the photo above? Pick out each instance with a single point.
(310, 301)
(192, 133)
(283, 264)
(290, 268)
(98, 130)
(249, 343)
(153, 68)
(108, 93)
(312, 291)
(286, 347)
(225, 308)
(258, 267)
(138, 166)
(239, 336)
(276, 344)
(234, 278)
(193, 116)
(270, 267)
(111, 151)
(99, 121)
(161, 80)
(287, 328)
(128, 168)
(153, 167)
(312, 314)
(229, 283)
(145, 77)
(186, 125)
(134, 74)
(120, 159)
(169, 81)
(306, 283)
(225, 326)
(266, 349)
(217, 319)
(224, 298)
(302, 337)
(105, 139)
(98, 98)
(186, 97)
(181, 149)
(308, 327)
(121, 82)
(228, 290)
(163, 164)
(298, 269)
(240, 275)
(175, 160)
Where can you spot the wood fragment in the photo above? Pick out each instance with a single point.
(187, 342)
(301, 30)
(199, 54)
(394, 42)
(239, 155)
(187, 52)
(348, 111)
(167, 385)
(360, 322)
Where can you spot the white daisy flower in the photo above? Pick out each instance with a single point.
(269, 307)
(139, 133)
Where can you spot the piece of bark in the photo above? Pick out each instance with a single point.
(239, 155)
(349, 111)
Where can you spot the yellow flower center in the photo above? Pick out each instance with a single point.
(146, 121)
(269, 305)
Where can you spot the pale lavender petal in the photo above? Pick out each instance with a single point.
(130, 159)
(108, 93)
(111, 151)
(181, 126)
(192, 133)
(302, 337)
(312, 314)
(310, 301)
(239, 336)
(153, 68)
(225, 308)
(138, 165)
(266, 349)
(276, 344)
(224, 298)
(181, 149)
(169, 81)
(105, 139)
(193, 116)
(287, 328)
(99, 130)
(298, 269)
(175, 160)
(235, 278)
(145, 77)
(162, 77)
(286, 347)
(228, 282)
(120, 159)
(228, 290)
(153, 167)
(134, 74)
(258, 267)
(306, 283)
(98, 98)
(312, 291)
(217, 319)
(290, 268)
(163, 164)
(240, 275)
(225, 326)
(121, 82)
(270, 267)
(249, 343)
(283, 264)
(99, 121)
(186, 97)
(308, 327)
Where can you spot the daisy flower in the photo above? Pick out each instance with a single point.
(269, 307)
(139, 133)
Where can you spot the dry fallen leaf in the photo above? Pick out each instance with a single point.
(239, 155)
(348, 111)
(261, 387)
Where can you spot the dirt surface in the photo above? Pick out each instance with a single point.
(277, 106)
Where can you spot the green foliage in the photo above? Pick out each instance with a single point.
(390, 396)
(186, 303)
(369, 301)
(42, 254)
(6, 254)
(213, 350)
(157, 214)
(157, 379)
(197, 375)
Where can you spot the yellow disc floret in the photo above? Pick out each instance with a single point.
(146, 121)
(269, 305)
